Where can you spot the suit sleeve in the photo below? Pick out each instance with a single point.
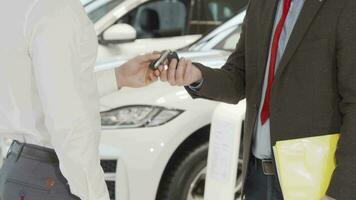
(228, 83)
(343, 187)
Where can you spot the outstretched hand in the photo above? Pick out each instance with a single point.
(180, 73)
(136, 72)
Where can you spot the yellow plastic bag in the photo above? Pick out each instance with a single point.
(305, 166)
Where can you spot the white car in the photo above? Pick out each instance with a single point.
(131, 27)
(155, 139)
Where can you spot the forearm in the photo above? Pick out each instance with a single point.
(220, 85)
(228, 83)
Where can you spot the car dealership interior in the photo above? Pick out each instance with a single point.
(81, 120)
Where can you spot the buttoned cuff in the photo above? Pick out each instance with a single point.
(196, 86)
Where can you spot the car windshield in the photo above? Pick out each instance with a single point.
(224, 37)
(96, 9)
(229, 43)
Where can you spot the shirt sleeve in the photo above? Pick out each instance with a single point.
(195, 87)
(69, 99)
(107, 82)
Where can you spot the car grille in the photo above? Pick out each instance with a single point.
(111, 188)
(109, 166)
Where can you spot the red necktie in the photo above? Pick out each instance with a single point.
(273, 59)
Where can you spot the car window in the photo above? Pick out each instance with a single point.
(208, 14)
(96, 9)
(162, 18)
(229, 43)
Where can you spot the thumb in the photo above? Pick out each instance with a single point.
(150, 57)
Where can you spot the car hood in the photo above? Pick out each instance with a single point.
(160, 94)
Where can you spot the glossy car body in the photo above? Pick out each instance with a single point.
(140, 156)
(141, 26)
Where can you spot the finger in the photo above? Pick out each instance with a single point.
(188, 72)
(157, 73)
(166, 62)
(182, 66)
(152, 76)
(164, 74)
(154, 79)
(172, 72)
(150, 57)
(161, 68)
(173, 64)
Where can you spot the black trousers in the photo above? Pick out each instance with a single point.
(261, 187)
(32, 172)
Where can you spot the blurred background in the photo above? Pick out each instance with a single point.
(155, 139)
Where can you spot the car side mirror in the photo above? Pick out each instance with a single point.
(119, 33)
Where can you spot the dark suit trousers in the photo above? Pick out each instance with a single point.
(261, 187)
(34, 175)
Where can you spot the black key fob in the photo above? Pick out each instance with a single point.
(173, 55)
(160, 61)
(165, 55)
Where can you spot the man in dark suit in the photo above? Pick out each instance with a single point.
(295, 63)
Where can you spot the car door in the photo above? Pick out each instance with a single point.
(159, 24)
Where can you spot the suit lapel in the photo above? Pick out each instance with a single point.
(307, 15)
(267, 23)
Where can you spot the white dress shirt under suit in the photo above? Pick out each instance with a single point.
(262, 141)
(48, 90)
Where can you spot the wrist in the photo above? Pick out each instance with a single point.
(199, 73)
(120, 79)
(197, 83)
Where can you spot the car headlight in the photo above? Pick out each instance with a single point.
(137, 116)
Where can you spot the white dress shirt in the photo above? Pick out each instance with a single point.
(48, 90)
(262, 140)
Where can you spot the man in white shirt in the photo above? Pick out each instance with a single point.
(49, 100)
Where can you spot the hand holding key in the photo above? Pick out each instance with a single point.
(137, 72)
(179, 72)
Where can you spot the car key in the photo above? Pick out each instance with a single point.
(160, 61)
(165, 55)
(173, 55)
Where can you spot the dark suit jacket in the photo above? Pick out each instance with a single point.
(314, 92)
